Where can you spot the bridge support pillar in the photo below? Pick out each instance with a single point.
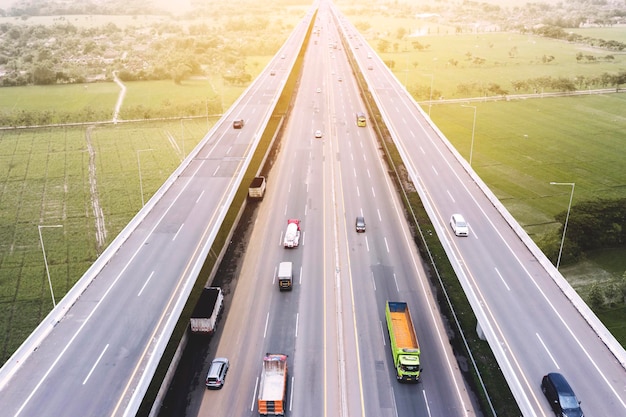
(479, 331)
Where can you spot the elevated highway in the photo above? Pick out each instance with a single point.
(533, 320)
(96, 352)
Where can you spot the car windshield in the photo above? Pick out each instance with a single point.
(568, 401)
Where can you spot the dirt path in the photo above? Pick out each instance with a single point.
(98, 214)
(120, 98)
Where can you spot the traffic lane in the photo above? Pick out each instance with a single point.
(496, 237)
(121, 268)
(308, 383)
(389, 259)
(257, 304)
(102, 352)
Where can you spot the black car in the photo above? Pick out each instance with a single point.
(560, 396)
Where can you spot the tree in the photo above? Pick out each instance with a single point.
(417, 45)
(384, 45)
(180, 72)
(43, 75)
(596, 298)
(496, 89)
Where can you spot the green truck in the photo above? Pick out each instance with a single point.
(404, 346)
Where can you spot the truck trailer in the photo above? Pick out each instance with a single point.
(207, 310)
(273, 386)
(256, 191)
(404, 346)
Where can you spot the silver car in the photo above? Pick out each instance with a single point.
(217, 373)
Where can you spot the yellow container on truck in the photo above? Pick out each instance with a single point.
(404, 346)
(273, 386)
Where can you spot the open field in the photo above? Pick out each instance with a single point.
(155, 98)
(415, 68)
(67, 98)
(614, 33)
(521, 146)
(44, 181)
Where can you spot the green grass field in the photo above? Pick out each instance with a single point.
(509, 57)
(44, 181)
(521, 146)
(69, 98)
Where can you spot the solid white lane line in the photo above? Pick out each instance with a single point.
(95, 364)
(267, 320)
(426, 402)
(547, 351)
(291, 396)
(178, 231)
(502, 278)
(145, 284)
(297, 321)
(256, 387)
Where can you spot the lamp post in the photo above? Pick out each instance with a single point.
(473, 131)
(571, 197)
(182, 130)
(430, 100)
(45, 260)
(139, 166)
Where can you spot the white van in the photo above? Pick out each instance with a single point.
(285, 276)
(459, 225)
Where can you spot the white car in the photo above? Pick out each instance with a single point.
(459, 225)
(318, 134)
(319, 90)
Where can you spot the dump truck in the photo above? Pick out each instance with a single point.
(292, 235)
(285, 276)
(273, 386)
(206, 312)
(404, 346)
(257, 188)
